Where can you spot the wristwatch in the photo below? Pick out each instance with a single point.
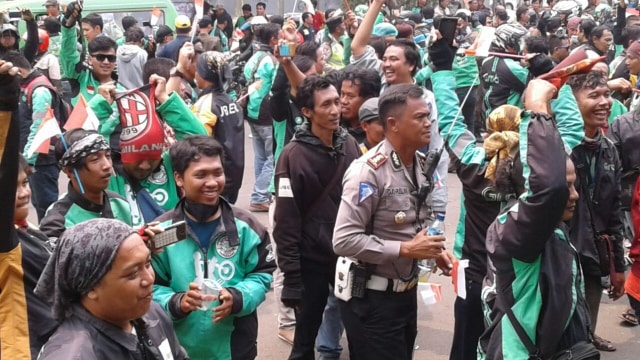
(176, 72)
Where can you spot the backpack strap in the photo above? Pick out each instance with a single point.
(37, 82)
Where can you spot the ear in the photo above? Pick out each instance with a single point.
(68, 171)
(179, 179)
(92, 294)
(392, 124)
(306, 112)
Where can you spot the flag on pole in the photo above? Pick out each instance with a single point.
(156, 14)
(458, 277)
(430, 293)
(82, 117)
(42, 140)
(199, 5)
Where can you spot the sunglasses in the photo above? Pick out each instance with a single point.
(102, 57)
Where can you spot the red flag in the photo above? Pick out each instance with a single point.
(82, 117)
(560, 74)
(47, 129)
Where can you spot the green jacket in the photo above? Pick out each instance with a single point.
(240, 258)
(161, 184)
(266, 71)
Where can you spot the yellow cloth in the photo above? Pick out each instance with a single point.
(502, 124)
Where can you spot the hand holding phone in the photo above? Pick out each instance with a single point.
(447, 28)
(170, 234)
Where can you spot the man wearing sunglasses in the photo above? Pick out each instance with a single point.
(558, 48)
(85, 80)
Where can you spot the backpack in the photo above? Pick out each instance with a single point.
(60, 107)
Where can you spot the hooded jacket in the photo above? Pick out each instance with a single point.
(130, 62)
(305, 167)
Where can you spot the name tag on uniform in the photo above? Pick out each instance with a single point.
(165, 350)
(284, 188)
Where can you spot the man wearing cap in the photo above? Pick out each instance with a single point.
(371, 124)
(10, 38)
(223, 20)
(53, 9)
(183, 31)
(246, 16)
(332, 47)
(100, 283)
(164, 35)
(221, 117)
(85, 158)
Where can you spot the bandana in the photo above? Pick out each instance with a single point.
(503, 123)
(82, 148)
(82, 258)
(142, 136)
(213, 67)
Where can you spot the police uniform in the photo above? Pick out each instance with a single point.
(377, 212)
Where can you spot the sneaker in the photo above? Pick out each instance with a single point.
(287, 334)
(261, 207)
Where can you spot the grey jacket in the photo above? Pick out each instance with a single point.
(130, 62)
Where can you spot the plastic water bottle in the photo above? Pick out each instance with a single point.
(427, 266)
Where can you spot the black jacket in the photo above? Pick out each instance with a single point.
(623, 132)
(601, 186)
(304, 234)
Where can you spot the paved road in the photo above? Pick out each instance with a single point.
(435, 322)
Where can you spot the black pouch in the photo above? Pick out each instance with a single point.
(580, 351)
(604, 247)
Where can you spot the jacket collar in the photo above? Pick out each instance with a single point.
(227, 222)
(304, 135)
(127, 340)
(78, 199)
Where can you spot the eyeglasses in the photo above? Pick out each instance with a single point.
(102, 57)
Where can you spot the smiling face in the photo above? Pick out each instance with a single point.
(203, 181)
(124, 293)
(103, 63)
(23, 196)
(594, 105)
(395, 67)
(325, 114)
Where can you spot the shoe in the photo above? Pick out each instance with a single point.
(287, 334)
(602, 344)
(261, 207)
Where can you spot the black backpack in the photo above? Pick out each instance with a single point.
(60, 107)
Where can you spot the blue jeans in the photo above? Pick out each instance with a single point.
(330, 332)
(262, 163)
(44, 187)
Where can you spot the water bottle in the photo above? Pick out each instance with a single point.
(427, 266)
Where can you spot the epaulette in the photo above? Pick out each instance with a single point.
(377, 160)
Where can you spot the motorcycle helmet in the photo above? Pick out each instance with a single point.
(509, 37)
(567, 7)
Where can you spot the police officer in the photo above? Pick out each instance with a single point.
(382, 224)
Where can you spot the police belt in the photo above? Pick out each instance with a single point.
(380, 283)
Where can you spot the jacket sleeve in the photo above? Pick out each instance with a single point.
(107, 115)
(163, 294)
(615, 227)
(69, 55)
(180, 118)
(31, 45)
(54, 223)
(568, 118)
(460, 142)
(280, 96)
(287, 230)
(439, 196)
(530, 223)
(41, 97)
(252, 290)
(368, 60)
(613, 134)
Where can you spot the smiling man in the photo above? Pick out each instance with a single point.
(86, 160)
(308, 180)
(226, 245)
(100, 282)
(358, 85)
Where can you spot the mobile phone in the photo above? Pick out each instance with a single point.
(287, 49)
(170, 235)
(447, 28)
(15, 14)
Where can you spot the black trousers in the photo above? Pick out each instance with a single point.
(468, 109)
(469, 324)
(382, 325)
(308, 320)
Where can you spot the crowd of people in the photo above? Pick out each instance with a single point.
(357, 118)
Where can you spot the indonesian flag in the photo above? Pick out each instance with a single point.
(42, 140)
(430, 293)
(82, 117)
(573, 65)
(459, 278)
(199, 4)
(156, 14)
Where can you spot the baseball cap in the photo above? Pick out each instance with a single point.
(51, 3)
(336, 17)
(369, 110)
(163, 30)
(182, 22)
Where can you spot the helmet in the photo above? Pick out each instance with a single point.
(568, 7)
(43, 40)
(603, 13)
(509, 36)
(9, 27)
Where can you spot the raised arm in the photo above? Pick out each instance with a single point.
(361, 39)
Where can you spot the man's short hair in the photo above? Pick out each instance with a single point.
(308, 48)
(306, 15)
(18, 60)
(306, 90)
(427, 12)
(521, 11)
(134, 34)
(590, 80)
(102, 43)
(502, 14)
(246, 7)
(52, 25)
(264, 6)
(394, 100)
(304, 63)
(159, 66)
(193, 148)
(629, 34)
(587, 26)
(555, 41)
(367, 80)
(537, 44)
(411, 53)
(268, 31)
(93, 20)
(128, 21)
(277, 19)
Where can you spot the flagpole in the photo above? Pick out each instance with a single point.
(75, 171)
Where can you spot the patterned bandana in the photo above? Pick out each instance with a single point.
(213, 67)
(83, 148)
(503, 124)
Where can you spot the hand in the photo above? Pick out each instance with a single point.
(192, 299)
(617, 286)
(441, 53)
(423, 246)
(349, 19)
(620, 84)
(226, 304)
(290, 31)
(108, 91)
(161, 88)
(150, 231)
(538, 94)
(72, 13)
(185, 57)
(445, 262)
(27, 15)
(292, 290)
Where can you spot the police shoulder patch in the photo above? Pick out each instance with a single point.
(377, 160)
(365, 190)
